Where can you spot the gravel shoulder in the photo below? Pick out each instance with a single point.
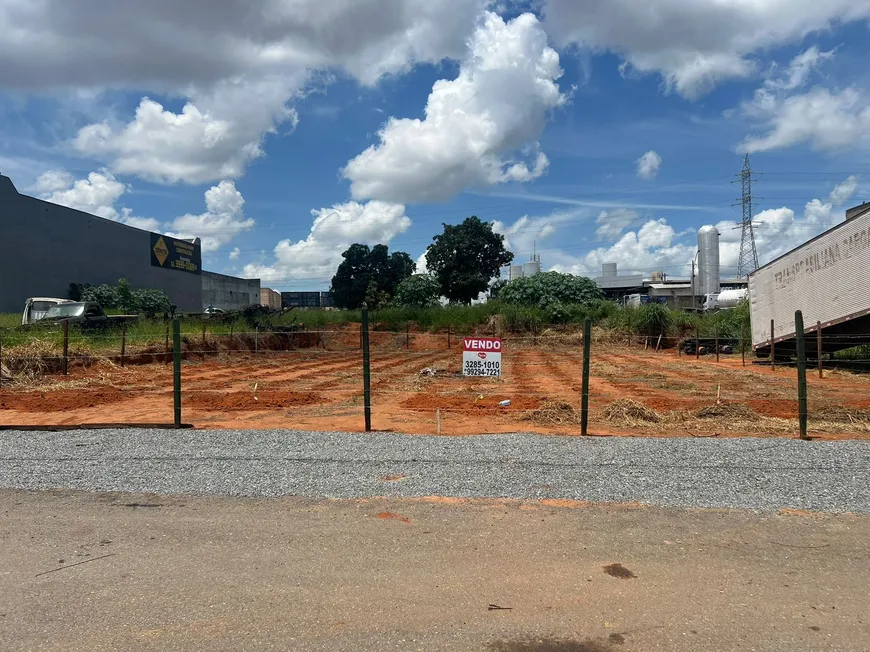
(755, 474)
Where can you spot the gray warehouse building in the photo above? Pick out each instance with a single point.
(45, 247)
(228, 292)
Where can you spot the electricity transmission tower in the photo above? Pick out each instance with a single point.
(748, 253)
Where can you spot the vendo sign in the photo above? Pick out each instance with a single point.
(481, 356)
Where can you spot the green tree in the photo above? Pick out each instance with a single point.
(418, 291)
(369, 273)
(496, 288)
(125, 296)
(150, 302)
(543, 289)
(465, 258)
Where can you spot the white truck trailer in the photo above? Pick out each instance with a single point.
(827, 278)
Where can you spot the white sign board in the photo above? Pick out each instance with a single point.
(481, 356)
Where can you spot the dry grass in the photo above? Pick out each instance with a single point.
(31, 361)
(734, 411)
(554, 413)
(837, 414)
(628, 412)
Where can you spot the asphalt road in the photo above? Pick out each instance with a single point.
(100, 572)
(757, 474)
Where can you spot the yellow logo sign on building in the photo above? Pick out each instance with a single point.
(161, 251)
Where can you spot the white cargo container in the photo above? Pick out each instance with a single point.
(827, 278)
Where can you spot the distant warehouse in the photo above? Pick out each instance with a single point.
(45, 247)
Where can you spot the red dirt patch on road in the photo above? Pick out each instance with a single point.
(244, 401)
(392, 516)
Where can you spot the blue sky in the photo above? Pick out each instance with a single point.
(282, 131)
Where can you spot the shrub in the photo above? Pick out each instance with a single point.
(543, 289)
(653, 319)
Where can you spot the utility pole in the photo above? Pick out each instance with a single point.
(694, 304)
(748, 253)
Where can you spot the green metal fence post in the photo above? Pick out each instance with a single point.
(123, 344)
(819, 348)
(176, 369)
(65, 360)
(367, 370)
(587, 347)
(802, 372)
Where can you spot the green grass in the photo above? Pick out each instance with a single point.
(462, 320)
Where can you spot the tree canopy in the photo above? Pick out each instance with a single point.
(122, 297)
(548, 287)
(369, 275)
(465, 258)
(418, 291)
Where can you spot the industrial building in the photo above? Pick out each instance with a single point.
(270, 298)
(228, 292)
(827, 279)
(45, 247)
(531, 268)
(307, 300)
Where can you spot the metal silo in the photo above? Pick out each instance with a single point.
(531, 268)
(708, 260)
(516, 272)
(608, 270)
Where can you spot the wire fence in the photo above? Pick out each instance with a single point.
(415, 382)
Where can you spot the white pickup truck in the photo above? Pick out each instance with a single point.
(35, 308)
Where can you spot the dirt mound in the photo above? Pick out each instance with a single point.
(62, 400)
(249, 401)
(629, 412)
(782, 408)
(554, 412)
(736, 411)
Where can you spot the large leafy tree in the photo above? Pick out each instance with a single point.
(369, 275)
(465, 258)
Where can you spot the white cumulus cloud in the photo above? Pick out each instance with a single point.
(825, 119)
(648, 165)
(334, 230)
(96, 195)
(479, 130)
(693, 44)
(223, 220)
(171, 45)
(100, 193)
(215, 138)
(611, 223)
(237, 64)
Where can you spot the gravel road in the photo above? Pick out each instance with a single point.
(757, 474)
